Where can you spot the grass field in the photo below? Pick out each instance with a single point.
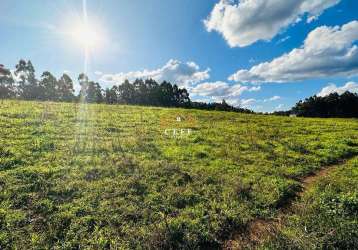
(115, 177)
(327, 215)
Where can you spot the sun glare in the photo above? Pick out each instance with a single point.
(86, 35)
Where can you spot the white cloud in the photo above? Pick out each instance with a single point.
(245, 22)
(243, 103)
(237, 102)
(282, 40)
(217, 91)
(332, 88)
(212, 89)
(174, 71)
(327, 51)
(98, 73)
(274, 98)
(247, 102)
(279, 107)
(254, 89)
(221, 89)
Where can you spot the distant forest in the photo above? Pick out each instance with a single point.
(330, 106)
(140, 92)
(333, 105)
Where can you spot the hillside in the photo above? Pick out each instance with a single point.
(109, 176)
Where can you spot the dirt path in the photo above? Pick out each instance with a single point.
(260, 230)
(308, 181)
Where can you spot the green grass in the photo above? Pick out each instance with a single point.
(108, 177)
(327, 216)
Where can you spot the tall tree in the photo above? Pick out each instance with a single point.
(90, 92)
(83, 81)
(165, 95)
(126, 93)
(111, 95)
(48, 87)
(140, 92)
(95, 93)
(181, 96)
(27, 82)
(65, 89)
(151, 92)
(7, 88)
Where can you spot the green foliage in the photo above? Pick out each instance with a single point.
(332, 105)
(7, 87)
(108, 177)
(28, 87)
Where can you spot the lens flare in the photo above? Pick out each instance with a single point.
(85, 35)
(84, 31)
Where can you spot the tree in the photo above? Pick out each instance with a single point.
(65, 89)
(48, 87)
(83, 81)
(7, 88)
(95, 93)
(90, 92)
(28, 84)
(165, 95)
(183, 97)
(111, 95)
(333, 105)
(140, 92)
(151, 92)
(126, 93)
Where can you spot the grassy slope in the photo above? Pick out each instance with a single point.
(327, 215)
(102, 176)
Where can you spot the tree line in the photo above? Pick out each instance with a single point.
(23, 84)
(332, 105)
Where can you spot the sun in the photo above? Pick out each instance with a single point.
(86, 35)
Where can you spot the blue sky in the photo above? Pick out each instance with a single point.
(169, 39)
